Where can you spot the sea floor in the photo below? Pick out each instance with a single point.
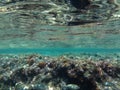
(65, 72)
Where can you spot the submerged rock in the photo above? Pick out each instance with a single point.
(62, 73)
(80, 4)
(71, 87)
(38, 87)
(21, 86)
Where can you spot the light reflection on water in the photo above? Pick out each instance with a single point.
(23, 29)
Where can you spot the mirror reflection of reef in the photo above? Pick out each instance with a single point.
(61, 12)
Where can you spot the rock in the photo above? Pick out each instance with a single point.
(71, 87)
(21, 86)
(80, 4)
(38, 87)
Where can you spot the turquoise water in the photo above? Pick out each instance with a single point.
(21, 31)
(59, 51)
(61, 39)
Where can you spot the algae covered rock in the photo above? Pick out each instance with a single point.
(62, 73)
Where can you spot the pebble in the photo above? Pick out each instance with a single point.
(21, 86)
(38, 87)
(71, 87)
(107, 83)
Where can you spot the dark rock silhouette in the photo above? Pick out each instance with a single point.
(80, 4)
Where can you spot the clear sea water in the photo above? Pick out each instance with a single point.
(21, 33)
(51, 45)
